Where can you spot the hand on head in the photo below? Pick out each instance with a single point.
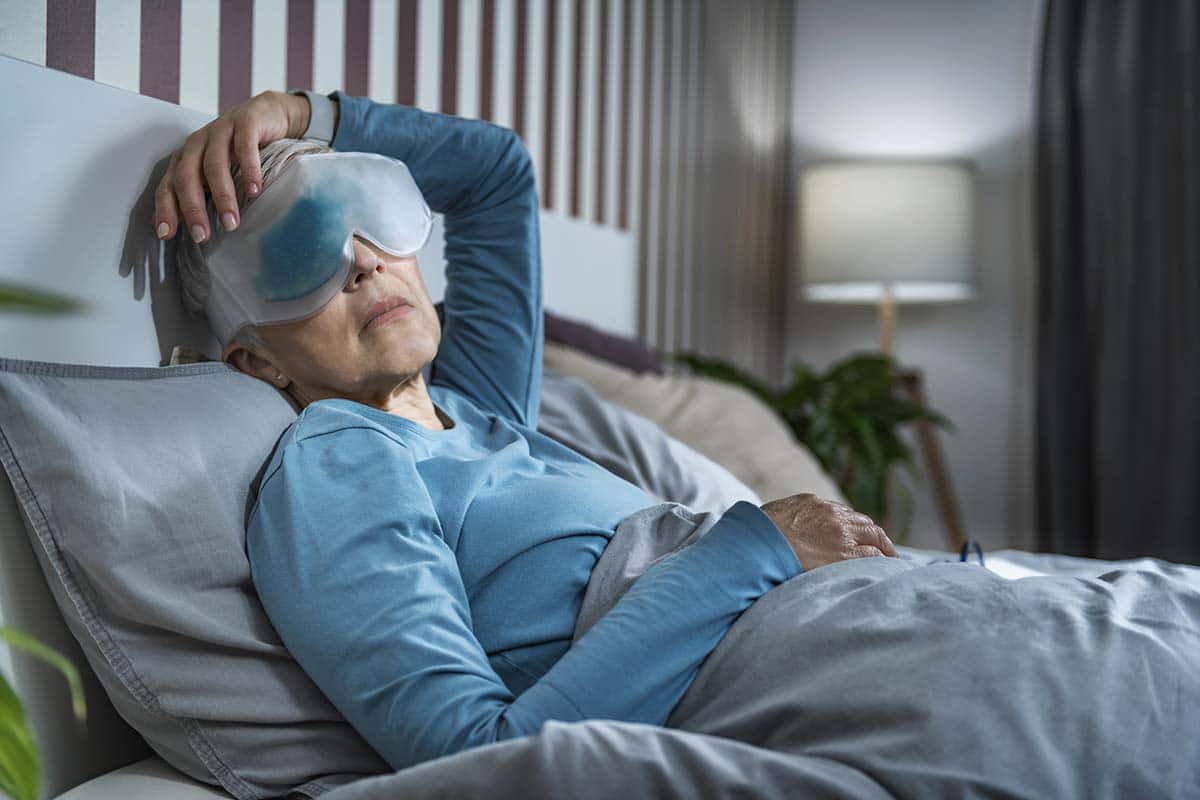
(206, 156)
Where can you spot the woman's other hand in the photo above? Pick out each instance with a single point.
(821, 531)
(205, 159)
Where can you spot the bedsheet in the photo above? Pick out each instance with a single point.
(913, 677)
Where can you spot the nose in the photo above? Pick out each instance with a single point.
(366, 262)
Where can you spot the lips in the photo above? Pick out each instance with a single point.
(382, 307)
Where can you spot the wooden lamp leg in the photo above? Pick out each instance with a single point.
(931, 453)
(887, 320)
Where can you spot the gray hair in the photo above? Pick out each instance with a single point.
(194, 278)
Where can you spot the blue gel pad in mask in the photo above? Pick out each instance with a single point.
(294, 250)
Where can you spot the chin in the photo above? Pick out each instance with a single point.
(408, 358)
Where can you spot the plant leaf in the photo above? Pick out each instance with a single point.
(23, 298)
(20, 769)
(849, 417)
(723, 370)
(33, 647)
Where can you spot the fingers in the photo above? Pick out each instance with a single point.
(188, 185)
(217, 174)
(203, 162)
(864, 551)
(166, 210)
(889, 548)
(880, 539)
(245, 150)
(873, 535)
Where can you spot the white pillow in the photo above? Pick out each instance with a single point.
(725, 422)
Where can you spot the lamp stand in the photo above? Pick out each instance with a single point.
(931, 452)
(912, 384)
(887, 320)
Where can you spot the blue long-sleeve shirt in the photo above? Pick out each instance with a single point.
(429, 581)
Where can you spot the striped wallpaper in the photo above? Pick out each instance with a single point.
(666, 118)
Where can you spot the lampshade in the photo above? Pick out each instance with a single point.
(871, 228)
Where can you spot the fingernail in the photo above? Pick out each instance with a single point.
(162, 230)
(228, 221)
(253, 188)
(197, 234)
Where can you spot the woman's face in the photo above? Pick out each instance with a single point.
(334, 353)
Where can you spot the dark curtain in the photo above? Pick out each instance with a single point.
(1118, 216)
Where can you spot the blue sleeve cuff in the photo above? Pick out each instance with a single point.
(350, 112)
(320, 118)
(755, 528)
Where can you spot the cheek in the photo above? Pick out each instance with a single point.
(323, 339)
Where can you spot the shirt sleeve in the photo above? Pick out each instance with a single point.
(347, 554)
(481, 177)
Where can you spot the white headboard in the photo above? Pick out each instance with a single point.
(78, 163)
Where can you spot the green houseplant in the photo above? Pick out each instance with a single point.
(20, 764)
(22, 298)
(849, 416)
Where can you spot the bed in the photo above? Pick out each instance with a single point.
(869, 678)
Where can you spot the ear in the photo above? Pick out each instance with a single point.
(255, 365)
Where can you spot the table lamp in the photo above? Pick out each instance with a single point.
(887, 232)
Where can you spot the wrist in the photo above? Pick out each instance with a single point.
(299, 114)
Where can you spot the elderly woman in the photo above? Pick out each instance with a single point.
(421, 548)
(435, 563)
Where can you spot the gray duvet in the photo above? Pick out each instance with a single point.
(886, 677)
(869, 678)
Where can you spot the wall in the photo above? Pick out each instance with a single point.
(550, 69)
(624, 105)
(932, 78)
(667, 122)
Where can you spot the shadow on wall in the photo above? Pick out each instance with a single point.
(148, 262)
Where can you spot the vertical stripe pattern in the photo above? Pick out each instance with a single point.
(118, 45)
(268, 59)
(623, 185)
(576, 103)
(199, 47)
(406, 52)
(551, 91)
(71, 36)
(159, 68)
(487, 52)
(663, 118)
(521, 80)
(647, 163)
(357, 52)
(601, 124)
(300, 44)
(449, 102)
(236, 52)
(382, 60)
(329, 46)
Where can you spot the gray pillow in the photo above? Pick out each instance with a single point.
(135, 486)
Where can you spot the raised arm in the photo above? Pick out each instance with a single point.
(480, 176)
(364, 591)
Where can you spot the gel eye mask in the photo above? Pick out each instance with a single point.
(294, 249)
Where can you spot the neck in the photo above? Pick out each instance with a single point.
(409, 399)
